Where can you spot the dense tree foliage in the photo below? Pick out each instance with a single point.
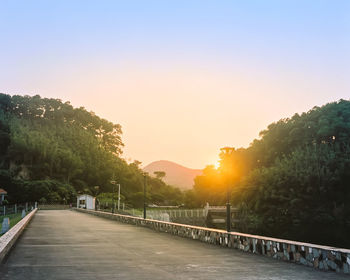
(49, 151)
(294, 182)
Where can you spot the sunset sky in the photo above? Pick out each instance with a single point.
(183, 78)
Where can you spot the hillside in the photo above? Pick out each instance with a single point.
(50, 151)
(293, 182)
(176, 174)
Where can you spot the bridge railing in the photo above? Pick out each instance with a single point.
(194, 217)
(176, 213)
(209, 216)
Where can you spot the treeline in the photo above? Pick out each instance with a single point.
(294, 182)
(50, 151)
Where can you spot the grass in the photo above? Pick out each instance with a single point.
(14, 219)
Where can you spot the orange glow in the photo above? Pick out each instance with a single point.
(183, 112)
(217, 165)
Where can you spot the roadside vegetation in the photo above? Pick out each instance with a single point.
(293, 182)
(50, 151)
(14, 219)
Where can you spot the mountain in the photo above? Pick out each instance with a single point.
(176, 174)
(51, 151)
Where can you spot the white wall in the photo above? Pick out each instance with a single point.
(89, 201)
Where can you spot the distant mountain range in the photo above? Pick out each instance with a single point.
(176, 174)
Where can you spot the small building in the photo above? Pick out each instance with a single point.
(3, 193)
(86, 201)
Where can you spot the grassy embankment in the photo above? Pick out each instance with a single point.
(14, 219)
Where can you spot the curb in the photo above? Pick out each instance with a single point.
(320, 257)
(9, 238)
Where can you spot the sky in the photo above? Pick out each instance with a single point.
(183, 78)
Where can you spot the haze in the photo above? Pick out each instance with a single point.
(183, 78)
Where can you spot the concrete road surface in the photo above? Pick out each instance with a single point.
(63, 244)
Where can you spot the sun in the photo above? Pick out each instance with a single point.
(217, 164)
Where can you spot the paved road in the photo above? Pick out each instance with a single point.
(70, 245)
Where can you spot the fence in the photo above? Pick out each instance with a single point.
(13, 213)
(16, 208)
(184, 216)
(209, 216)
(176, 213)
(54, 206)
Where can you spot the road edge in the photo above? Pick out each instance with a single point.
(319, 257)
(8, 240)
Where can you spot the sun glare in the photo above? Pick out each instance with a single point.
(217, 165)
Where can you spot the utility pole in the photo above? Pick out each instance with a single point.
(227, 152)
(144, 195)
(113, 205)
(118, 197)
(228, 211)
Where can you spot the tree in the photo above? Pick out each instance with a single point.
(50, 150)
(294, 180)
(159, 174)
